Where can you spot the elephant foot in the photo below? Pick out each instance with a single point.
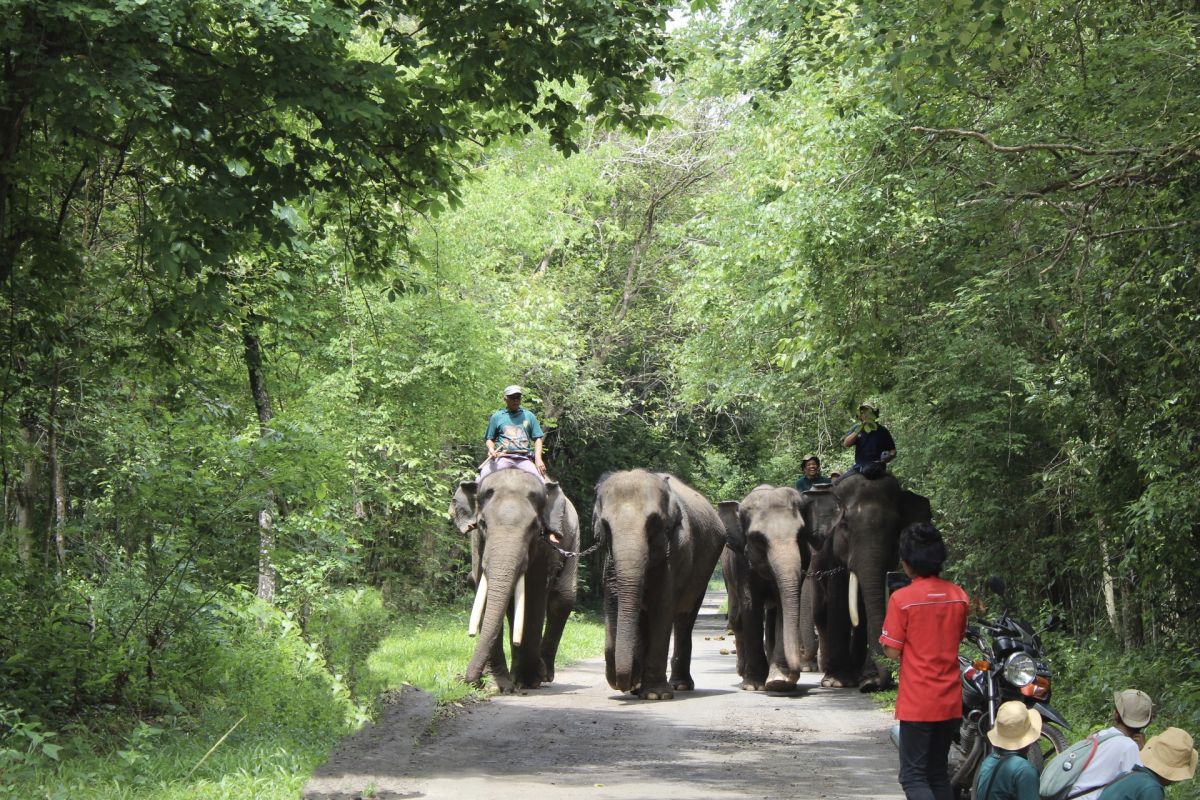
(529, 684)
(751, 685)
(808, 666)
(838, 682)
(502, 684)
(682, 684)
(875, 683)
(657, 693)
(782, 681)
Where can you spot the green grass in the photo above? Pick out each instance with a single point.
(434, 653)
(264, 762)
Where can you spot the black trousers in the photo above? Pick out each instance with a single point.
(924, 748)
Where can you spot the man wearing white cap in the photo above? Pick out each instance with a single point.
(1167, 758)
(1005, 775)
(514, 439)
(1118, 750)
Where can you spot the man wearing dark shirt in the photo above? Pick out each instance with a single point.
(873, 444)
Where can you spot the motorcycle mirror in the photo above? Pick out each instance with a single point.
(996, 584)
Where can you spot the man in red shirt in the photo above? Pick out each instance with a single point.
(924, 624)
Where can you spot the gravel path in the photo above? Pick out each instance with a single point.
(579, 739)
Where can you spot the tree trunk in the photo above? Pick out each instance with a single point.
(262, 404)
(58, 482)
(26, 493)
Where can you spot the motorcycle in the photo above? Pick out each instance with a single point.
(1011, 666)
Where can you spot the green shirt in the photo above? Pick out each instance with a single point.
(1016, 778)
(514, 431)
(804, 484)
(1140, 784)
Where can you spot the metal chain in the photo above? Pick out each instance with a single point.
(567, 553)
(826, 573)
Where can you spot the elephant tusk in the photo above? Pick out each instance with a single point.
(477, 608)
(853, 598)
(519, 611)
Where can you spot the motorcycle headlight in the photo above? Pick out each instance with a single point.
(1020, 669)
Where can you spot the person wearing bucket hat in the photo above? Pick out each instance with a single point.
(513, 439)
(1119, 746)
(873, 444)
(812, 474)
(1005, 774)
(1167, 758)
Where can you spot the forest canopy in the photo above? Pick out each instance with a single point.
(266, 267)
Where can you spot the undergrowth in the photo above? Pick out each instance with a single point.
(278, 698)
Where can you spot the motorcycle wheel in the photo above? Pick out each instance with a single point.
(1049, 744)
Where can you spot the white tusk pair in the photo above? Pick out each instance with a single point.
(481, 602)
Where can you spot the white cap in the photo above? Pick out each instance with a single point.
(511, 390)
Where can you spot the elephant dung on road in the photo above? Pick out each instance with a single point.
(517, 573)
(663, 540)
(768, 548)
(852, 565)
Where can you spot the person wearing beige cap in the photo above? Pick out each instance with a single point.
(1167, 758)
(1005, 774)
(513, 439)
(1119, 746)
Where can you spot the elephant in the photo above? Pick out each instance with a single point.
(663, 540)
(850, 570)
(769, 537)
(517, 573)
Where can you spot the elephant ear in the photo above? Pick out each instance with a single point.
(735, 536)
(463, 508)
(598, 526)
(556, 507)
(819, 516)
(914, 508)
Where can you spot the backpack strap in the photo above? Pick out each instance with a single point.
(987, 788)
(1096, 741)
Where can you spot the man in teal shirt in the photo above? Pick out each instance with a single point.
(1167, 758)
(812, 474)
(514, 439)
(1005, 774)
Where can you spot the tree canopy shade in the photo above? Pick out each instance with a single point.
(223, 118)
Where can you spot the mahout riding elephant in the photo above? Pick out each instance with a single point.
(851, 568)
(767, 553)
(517, 573)
(662, 540)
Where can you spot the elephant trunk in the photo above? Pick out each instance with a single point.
(631, 587)
(789, 578)
(499, 589)
(872, 585)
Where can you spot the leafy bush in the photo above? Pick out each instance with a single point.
(347, 626)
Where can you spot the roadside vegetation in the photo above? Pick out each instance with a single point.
(265, 269)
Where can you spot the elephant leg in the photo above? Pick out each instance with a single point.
(840, 671)
(808, 631)
(681, 654)
(755, 677)
(527, 658)
(498, 666)
(658, 619)
(558, 610)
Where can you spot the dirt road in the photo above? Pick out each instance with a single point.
(579, 739)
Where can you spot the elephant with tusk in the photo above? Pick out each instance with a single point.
(769, 539)
(851, 566)
(517, 573)
(663, 540)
